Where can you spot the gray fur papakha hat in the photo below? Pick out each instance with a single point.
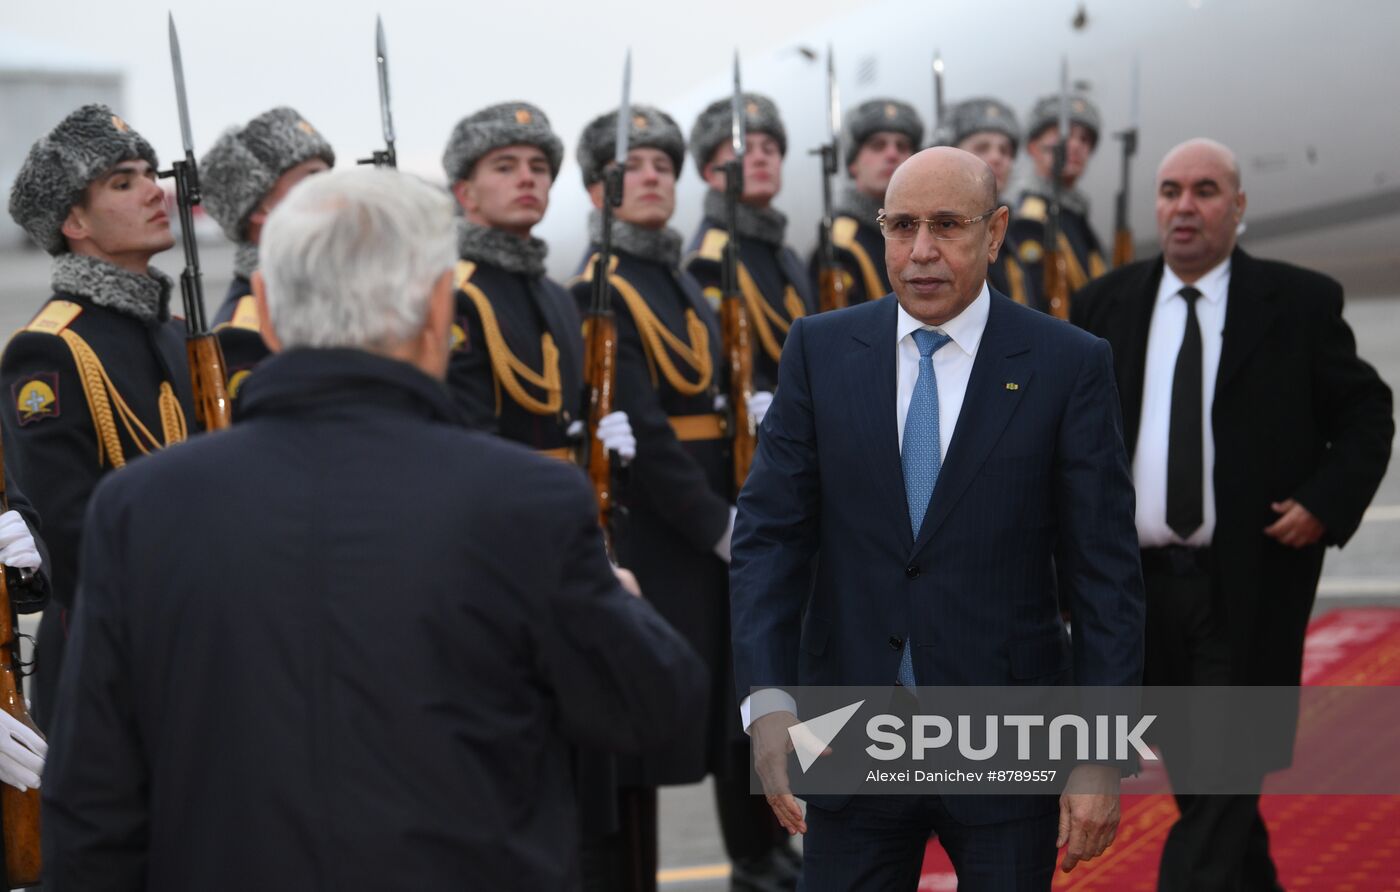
(651, 128)
(879, 116)
(497, 126)
(84, 146)
(713, 127)
(1046, 113)
(983, 114)
(244, 164)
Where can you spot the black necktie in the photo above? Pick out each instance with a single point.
(1185, 476)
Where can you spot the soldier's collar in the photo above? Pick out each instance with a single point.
(144, 297)
(245, 260)
(483, 244)
(855, 203)
(766, 224)
(657, 245)
(1071, 200)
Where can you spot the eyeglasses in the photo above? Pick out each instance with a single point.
(944, 227)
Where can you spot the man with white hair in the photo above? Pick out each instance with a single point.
(368, 677)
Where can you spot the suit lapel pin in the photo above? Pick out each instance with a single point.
(1012, 385)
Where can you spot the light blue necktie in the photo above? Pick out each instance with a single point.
(921, 454)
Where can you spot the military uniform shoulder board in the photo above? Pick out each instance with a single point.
(843, 231)
(587, 274)
(712, 245)
(465, 270)
(245, 314)
(1033, 208)
(55, 317)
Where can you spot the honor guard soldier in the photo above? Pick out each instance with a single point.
(880, 135)
(987, 128)
(670, 368)
(100, 377)
(517, 355)
(776, 286)
(243, 177)
(1081, 247)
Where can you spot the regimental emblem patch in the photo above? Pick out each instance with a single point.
(522, 116)
(459, 336)
(235, 382)
(36, 397)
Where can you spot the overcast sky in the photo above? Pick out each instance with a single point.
(446, 60)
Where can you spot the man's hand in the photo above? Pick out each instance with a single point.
(722, 547)
(628, 581)
(22, 753)
(1088, 813)
(771, 745)
(17, 548)
(1297, 528)
(615, 433)
(759, 401)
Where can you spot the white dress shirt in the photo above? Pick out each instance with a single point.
(952, 364)
(1163, 343)
(952, 367)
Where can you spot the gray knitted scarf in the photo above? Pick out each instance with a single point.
(855, 203)
(245, 260)
(142, 297)
(483, 244)
(764, 224)
(658, 245)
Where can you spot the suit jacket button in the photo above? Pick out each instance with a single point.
(896, 643)
(912, 571)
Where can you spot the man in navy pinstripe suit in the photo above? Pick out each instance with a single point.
(933, 462)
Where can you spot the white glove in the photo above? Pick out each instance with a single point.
(17, 548)
(759, 401)
(628, 581)
(722, 546)
(615, 433)
(22, 752)
(575, 430)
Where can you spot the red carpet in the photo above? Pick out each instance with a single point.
(1331, 843)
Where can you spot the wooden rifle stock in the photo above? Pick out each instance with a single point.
(833, 285)
(1055, 278)
(600, 376)
(833, 288)
(19, 812)
(208, 376)
(734, 327)
(1122, 247)
(734, 321)
(1122, 233)
(600, 358)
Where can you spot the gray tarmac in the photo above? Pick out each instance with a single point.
(1365, 573)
